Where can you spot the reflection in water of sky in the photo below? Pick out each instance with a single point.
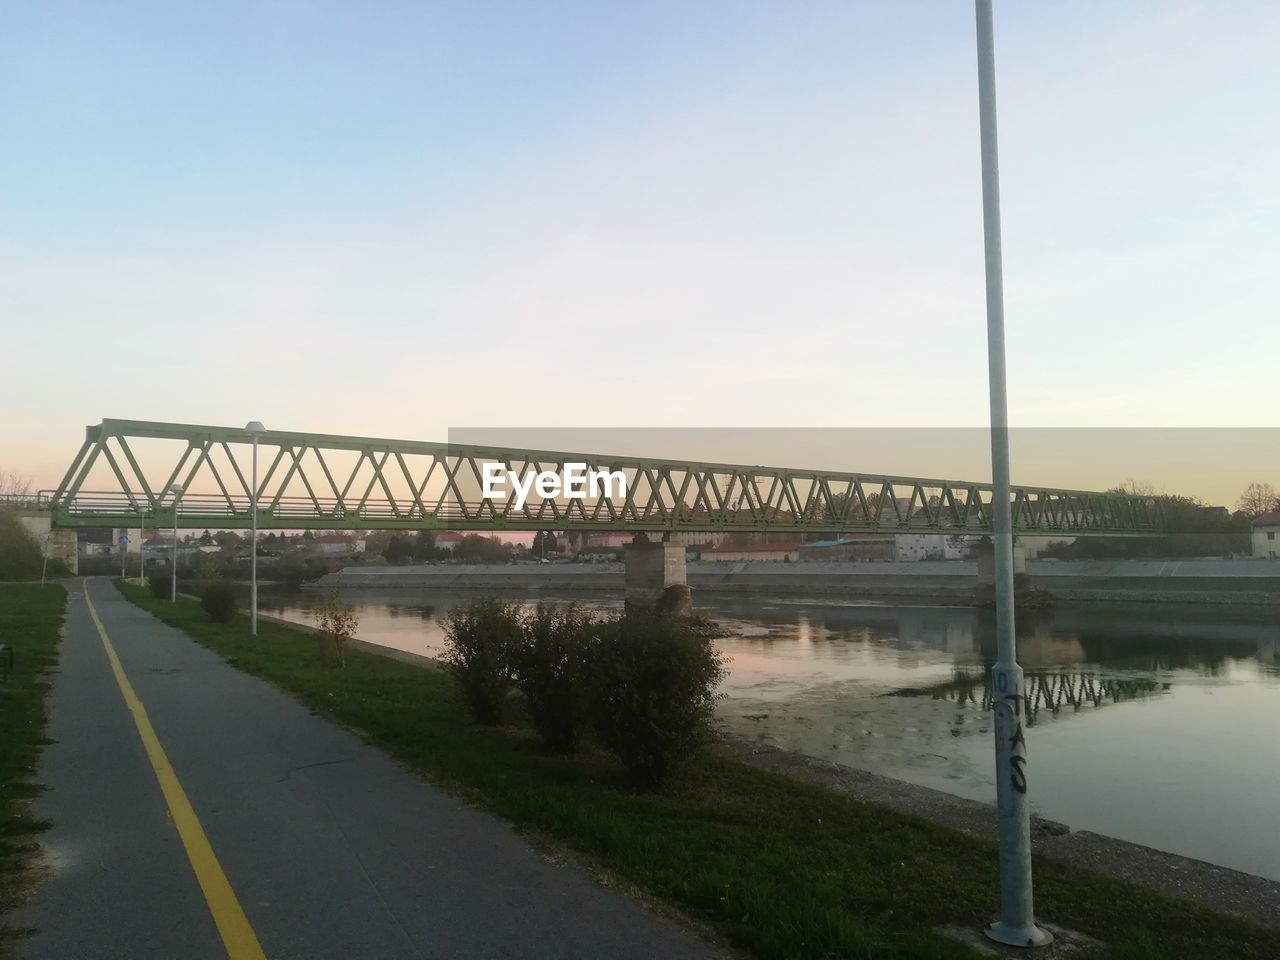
(1144, 718)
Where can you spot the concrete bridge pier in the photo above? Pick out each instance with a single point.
(656, 577)
(59, 544)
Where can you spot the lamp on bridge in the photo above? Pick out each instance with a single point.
(176, 490)
(255, 429)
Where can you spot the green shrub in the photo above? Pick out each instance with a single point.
(218, 598)
(550, 669)
(161, 585)
(481, 644)
(209, 567)
(651, 693)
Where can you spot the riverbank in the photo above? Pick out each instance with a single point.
(899, 689)
(30, 625)
(777, 866)
(1208, 884)
(1252, 582)
(1221, 888)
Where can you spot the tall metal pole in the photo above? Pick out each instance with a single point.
(1016, 925)
(176, 490)
(255, 429)
(173, 589)
(253, 548)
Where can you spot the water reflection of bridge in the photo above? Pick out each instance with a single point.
(1118, 637)
(1048, 690)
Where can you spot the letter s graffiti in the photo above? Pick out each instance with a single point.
(1018, 776)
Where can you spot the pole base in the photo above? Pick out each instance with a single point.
(1029, 936)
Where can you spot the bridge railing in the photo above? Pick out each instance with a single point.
(107, 508)
(26, 501)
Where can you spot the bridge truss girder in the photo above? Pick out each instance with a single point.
(321, 481)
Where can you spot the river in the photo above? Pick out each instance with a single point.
(1155, 724)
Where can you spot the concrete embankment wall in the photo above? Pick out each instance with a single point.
(1199, 581)
(1189, 581)
(538, 578)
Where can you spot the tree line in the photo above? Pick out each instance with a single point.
(1193, 528)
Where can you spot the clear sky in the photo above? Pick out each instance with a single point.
(397, 218)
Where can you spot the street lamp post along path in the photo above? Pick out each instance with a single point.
(255, 429)
(142, 550)
(176, 490)
(1016, 925)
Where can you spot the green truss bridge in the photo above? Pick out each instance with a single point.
(200, 477)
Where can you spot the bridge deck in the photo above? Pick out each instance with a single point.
(337, 482)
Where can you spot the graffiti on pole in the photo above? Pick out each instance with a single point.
(1010, 738)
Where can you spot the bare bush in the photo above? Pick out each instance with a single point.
(338, 622)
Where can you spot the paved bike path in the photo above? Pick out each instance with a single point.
(330, 849)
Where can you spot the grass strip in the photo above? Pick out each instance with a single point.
(781, 868)
(30, 624)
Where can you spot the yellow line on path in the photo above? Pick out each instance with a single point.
(233, 926)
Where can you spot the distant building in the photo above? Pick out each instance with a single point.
(1266, 535)
(449, 541)
(737, 553)
(590, 540)
(606, 538)
(930, 546)
(336, 545)
(691, 538)
(600, 553)
(854, 546)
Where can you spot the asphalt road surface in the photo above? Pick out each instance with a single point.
(199, 814)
